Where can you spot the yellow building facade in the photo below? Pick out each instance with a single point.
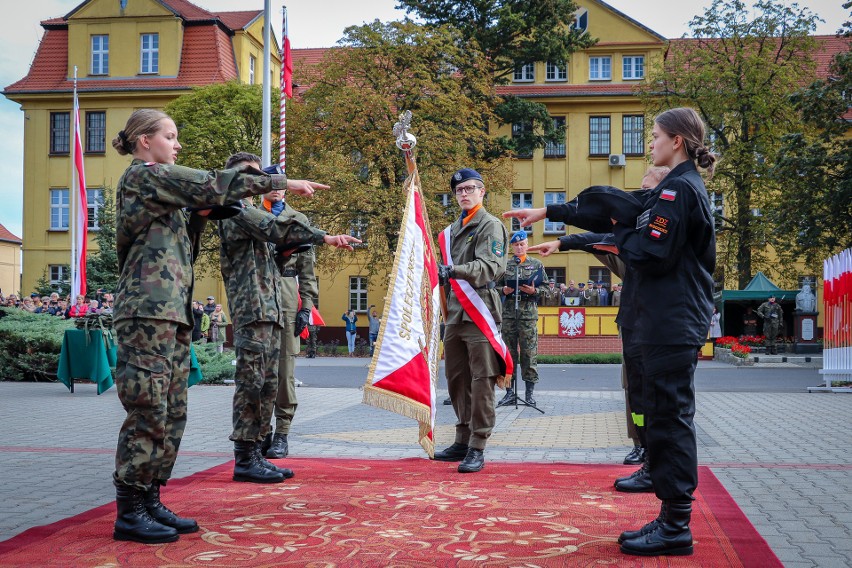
(10, 262)
(143, 55)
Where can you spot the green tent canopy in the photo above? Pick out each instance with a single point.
(760, 288)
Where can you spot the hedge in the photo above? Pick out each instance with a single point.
(581, 359)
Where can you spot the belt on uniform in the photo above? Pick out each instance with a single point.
(521, 298)
(291, 273)
(489, 286)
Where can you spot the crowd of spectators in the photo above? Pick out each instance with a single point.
(585, 294)
(58, 306)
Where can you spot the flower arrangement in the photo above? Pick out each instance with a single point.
(726, 341)
(741, 351)
(752, 340)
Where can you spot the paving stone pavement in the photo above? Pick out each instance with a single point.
(784, 457)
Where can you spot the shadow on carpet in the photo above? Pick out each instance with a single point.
(410, 512)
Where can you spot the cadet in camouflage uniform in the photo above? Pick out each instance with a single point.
(478, 248)
(520, 331)
(298, 282)
(257, 305)
(311, 343)
(772, 314)
(152, 314)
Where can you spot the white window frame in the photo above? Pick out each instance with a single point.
(58, 273)
(59, 208)
(252, 66)
(556, 72)
(521, 200)
(524, 73)
(600, 68)
(100, 54)
(633, 67)
(553, 198)
(559, 150)
(358, 293)
(598, 143)
(633, 138)
(149, 57)
(95, 202)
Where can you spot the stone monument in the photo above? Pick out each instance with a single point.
(805, 320)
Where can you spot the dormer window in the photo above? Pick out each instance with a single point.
(150, 54)
(525, 73)
(581, 20)
(100, 55)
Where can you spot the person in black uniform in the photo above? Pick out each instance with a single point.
(671, 246)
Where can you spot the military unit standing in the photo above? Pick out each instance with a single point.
(772, 315)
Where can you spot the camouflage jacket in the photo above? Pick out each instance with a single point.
(247, 256)
(298, 279)
(479, 253)
(529, 271)
(154, 244)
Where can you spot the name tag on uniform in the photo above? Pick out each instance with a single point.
(642, 220)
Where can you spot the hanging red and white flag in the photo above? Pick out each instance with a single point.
(80, 216)
(404, 370)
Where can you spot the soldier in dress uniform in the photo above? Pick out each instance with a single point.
(520, 331)
(153, 314)
(477, 246)
(551, 296)
(772, 315)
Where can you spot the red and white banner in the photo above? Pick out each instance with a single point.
(314, 319)
(79, 217)
(837, 310)
(286, 93)
(404, 371)
(572, 322)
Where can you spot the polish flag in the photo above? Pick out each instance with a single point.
(79, 217)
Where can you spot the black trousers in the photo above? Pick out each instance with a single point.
(669, 396)
(632, 353)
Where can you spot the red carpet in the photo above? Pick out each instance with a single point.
(397, 513)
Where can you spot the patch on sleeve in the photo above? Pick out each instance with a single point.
(658, 229)
(497, 248)
(668, 195)
(642, 220)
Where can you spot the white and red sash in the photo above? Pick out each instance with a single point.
(474, 307)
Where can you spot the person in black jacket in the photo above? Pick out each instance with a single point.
(671, 246)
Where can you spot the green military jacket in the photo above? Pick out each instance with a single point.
(247, 256)
(551, 297)
(479, 253)
(298, 279)
(153, 241)
(531, 270)
(771, 313)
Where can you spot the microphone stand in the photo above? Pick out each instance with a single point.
(517, 399)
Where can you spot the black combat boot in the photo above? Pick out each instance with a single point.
(163, 514)
(474, 461)
(627, 535)
(265, 444)
(640, 483)
(528, 394)
(671, 537)
(279, 448)
(248, 466)
(642, 471)
(508, 398)
(287, 473)
(454, 453)
(635, 457)
(133, 521)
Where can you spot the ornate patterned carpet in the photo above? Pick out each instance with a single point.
(395, 513)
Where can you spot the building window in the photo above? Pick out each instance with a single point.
(556, 150)
(100, 55)
(95, 202)
(521, 201)
(252, 66)
(556, 72)
(633, 67)
(358, 293)
(58, 209)
(599, 136)
(60, 132)
(96, 132)
(600, 274)
(150, 53)
(632, 134)
(358, 229)
(525, 73)
(600, 68)
(58, 273)
(556, 275)
(520, 129)
(553, 198)
(581, 20)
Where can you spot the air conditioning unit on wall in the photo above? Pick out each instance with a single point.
(617, 160)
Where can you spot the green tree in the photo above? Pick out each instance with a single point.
(814, 167)
(341, 131)
(511, 33)
(43, 286)
(737, 72)
(102, 264)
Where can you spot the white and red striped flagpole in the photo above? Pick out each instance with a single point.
(79, 207)
(286, 91)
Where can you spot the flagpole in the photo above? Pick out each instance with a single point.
(267, 79)
(282, 138)
(72, 198)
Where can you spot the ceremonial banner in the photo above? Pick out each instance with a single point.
(404, 371)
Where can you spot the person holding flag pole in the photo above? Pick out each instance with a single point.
(79, 207)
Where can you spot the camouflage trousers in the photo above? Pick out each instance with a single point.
(770, 330)
(151, 379)
(285, 403)
(311, 344)
(522, 334)
(256, 380)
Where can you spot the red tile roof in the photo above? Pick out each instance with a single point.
(187, 10)
(239, 20)
(8, 236)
